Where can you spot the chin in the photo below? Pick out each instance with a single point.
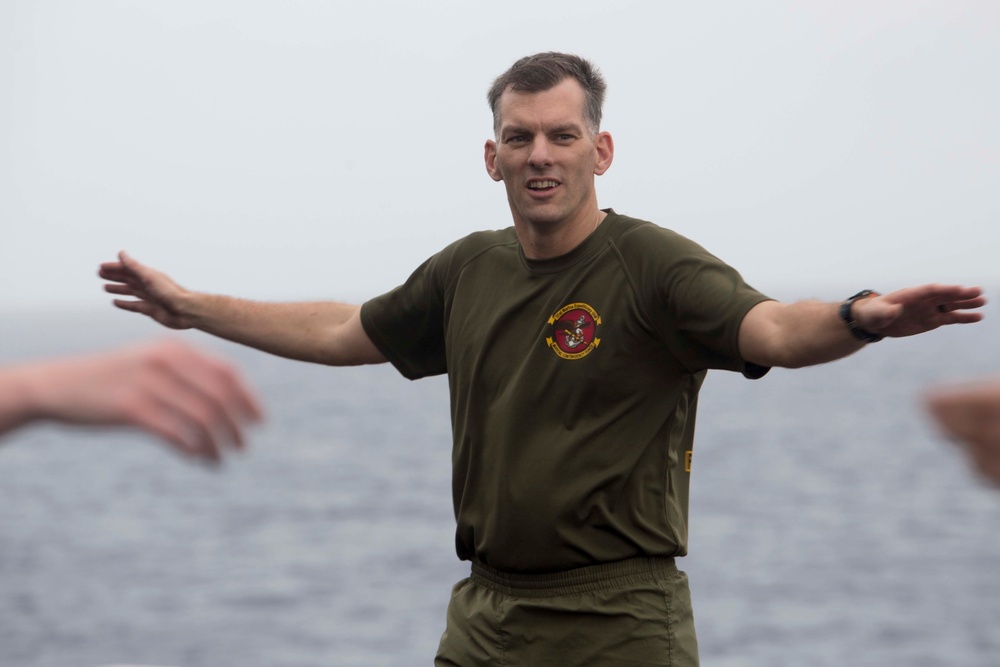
(544, 216)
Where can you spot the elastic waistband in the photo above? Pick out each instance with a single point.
(577, 580)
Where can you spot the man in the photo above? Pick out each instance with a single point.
(193, 401)
(969, 413)
(575, 343)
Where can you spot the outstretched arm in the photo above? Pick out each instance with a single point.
(195, 402)
(321, 332)
(970, 415)
(805, 333)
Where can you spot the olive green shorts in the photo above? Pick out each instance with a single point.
(625, 614)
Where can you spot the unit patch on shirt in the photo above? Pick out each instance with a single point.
(574, 331)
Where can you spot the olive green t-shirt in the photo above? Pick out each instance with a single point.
(574, 385)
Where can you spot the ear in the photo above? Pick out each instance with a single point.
(491, 160)
(605, 152)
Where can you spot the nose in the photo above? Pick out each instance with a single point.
(541, 155)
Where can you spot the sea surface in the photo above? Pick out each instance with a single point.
(830, 524)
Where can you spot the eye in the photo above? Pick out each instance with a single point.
(516, 139)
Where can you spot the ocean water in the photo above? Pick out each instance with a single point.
(830, 525)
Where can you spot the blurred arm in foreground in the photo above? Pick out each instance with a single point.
(195, 402)
(970, 415)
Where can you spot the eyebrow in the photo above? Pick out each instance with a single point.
(558, 129)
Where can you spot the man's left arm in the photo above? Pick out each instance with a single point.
(805, 333)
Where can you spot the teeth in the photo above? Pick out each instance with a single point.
(540, 185)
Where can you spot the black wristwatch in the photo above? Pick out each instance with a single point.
(852, 326)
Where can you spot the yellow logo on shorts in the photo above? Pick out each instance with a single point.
(687, 460)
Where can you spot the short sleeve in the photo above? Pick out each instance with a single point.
(695, 301)
(407, 323)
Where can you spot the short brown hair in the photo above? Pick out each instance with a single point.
(543, 71)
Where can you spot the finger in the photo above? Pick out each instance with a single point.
(181, 433)
(111, 270)
(132, 306)
(227, 382)
(196, 415)
(179, 393)
(961, 317)
(123, 268)
(130, 263)
(132, 280)
(934, 294)
(223, 399)
(243, 399)
(230, 403)
(965, 304)
(952, 292)
(126, 270)
(118, 288)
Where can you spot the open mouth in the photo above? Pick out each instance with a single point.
(542, 185)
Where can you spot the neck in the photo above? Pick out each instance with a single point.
(550, 241)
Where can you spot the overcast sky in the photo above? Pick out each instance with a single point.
(291, 150)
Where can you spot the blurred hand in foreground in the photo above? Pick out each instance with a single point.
(969, 414)
(195, 402)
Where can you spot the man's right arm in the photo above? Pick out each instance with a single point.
(321, 332)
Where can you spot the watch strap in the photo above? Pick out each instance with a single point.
(852, 325)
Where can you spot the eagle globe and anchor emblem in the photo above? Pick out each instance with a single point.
(574, 331)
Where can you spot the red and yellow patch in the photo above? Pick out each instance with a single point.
(574, 331)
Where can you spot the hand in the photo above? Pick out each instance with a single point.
(195, 402)
(158, 296)
(916, 310)
(970, 415)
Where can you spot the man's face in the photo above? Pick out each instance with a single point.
(547, 157)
